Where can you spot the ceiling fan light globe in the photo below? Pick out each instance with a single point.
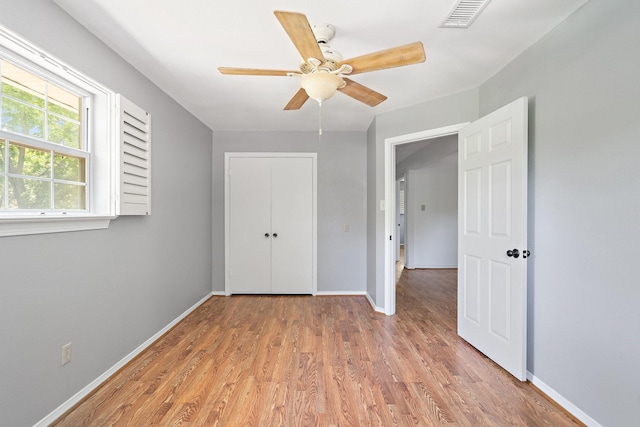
(321, 86)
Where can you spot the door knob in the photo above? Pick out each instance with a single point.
(275, 234)
(513, 253)
(266, 234)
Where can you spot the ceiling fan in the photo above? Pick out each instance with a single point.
(323, 70)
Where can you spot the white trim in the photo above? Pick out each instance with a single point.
(563, 402)
(341, 293)
(101, 176)
(390, 194)
(73, 400)
(314, 254)
(373, 304)
(219, 293)
(432, 267)
(21, 226)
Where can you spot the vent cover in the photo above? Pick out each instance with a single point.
(464, 13)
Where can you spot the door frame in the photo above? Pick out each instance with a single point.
(314, 210)
(390, 195)
(397, 206)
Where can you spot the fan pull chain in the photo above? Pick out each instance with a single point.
(319, 119)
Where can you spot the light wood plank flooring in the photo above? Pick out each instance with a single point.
(318, 361)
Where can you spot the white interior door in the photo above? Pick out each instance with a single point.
(270, 223)
(249, 225)
(492, 224)
(292, 225)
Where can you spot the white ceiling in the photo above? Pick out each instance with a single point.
(180, 44)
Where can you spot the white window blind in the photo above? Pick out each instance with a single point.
(134, 159)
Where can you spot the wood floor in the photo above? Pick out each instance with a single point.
(318, 361)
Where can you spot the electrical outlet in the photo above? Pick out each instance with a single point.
(66, 354)
(345, 228)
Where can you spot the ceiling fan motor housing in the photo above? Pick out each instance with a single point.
(331, 58)
(330, 54)
(329, 63)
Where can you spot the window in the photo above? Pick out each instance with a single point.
(43, 144)
(57, 144)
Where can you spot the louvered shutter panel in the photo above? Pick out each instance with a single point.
(134, 160)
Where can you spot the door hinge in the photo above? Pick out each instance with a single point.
(390, 238)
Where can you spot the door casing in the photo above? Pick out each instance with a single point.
(390, 145)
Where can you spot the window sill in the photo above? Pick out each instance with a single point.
(26, 225)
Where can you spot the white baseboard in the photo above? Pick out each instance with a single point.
(560, 400)
(340, 293)
(431, 267)
(373, 305)
(60, 410)
(218, 293)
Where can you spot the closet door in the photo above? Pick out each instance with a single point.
(249, 226)
(292, 222)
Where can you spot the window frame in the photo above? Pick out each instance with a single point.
(100, 139)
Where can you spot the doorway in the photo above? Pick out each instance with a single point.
(430, 172)
(390, 194)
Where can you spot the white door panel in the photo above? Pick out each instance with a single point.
(492, 220)
(292, 205)
(469, 273)
(472, 180)
(249, 221)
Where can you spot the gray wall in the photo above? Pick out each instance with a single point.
(584, 202)
(341, 200)
(432, 233)
(584, 205)
(105, 291)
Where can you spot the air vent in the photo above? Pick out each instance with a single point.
(465, 12)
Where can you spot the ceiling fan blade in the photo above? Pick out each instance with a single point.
(362, 93)
(298, 100)
(395, 57)
(297, 27)
(255, 72)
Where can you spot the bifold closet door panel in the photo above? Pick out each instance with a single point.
(249, 222)
(292, 221)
